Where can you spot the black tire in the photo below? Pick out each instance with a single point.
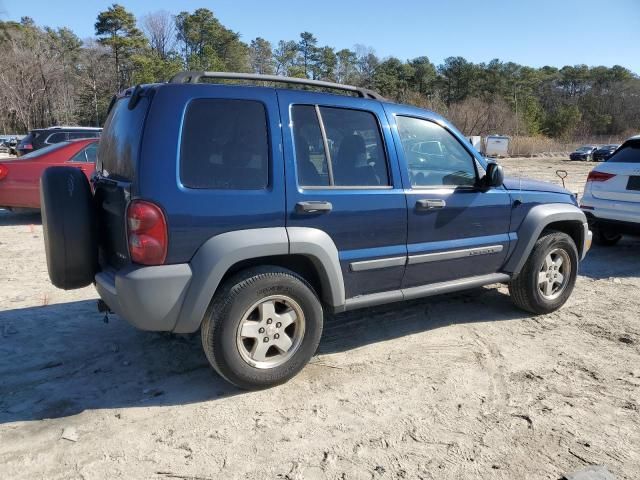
(69, 226)
(604, 237)
(524, 289)
(220, 327)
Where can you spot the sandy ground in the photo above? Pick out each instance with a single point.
(463, 386)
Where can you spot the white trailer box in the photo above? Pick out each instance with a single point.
(496, 146)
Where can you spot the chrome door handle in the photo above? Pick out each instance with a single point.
(430, 204)
(313, 207)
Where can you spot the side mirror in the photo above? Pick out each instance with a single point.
(494, 176)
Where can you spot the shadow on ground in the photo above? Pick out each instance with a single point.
(59, 360)
(620, 260)
(30, 217)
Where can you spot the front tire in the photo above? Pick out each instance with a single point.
(263, 327)
(548, 276)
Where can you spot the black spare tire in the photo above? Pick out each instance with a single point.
(68, 221)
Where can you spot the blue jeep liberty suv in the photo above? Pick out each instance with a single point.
(246, 211)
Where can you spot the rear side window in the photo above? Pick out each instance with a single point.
(87, 134)
(86, 155)
(121, 137)
(338, 147)
(225, 145)
(56, 138)
(629, 153)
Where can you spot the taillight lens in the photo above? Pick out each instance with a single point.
(4, 171)
(147, 230)
(27, 146)
(599, 176)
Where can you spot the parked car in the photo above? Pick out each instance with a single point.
(604, 152)
(222, 208)
(611, 197)
(20, 178)
(584, 153)
(40, 138)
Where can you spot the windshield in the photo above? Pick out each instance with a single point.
(44, 151)
(583, 149)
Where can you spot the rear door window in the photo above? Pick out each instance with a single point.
(338, 147)
(225, 145)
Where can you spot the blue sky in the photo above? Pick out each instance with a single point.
(531, 32)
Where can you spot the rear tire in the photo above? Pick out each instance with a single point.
(548, 276)
(604, 237)
(69, 225)
(262, 328)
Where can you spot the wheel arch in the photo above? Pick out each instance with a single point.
(308, 252)
(562, 217)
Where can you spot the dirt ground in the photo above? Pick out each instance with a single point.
(462, 386)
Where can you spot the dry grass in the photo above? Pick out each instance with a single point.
(520, 146)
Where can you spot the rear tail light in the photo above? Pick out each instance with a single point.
(599, 176)
(147, 230)
(4, 171)
(27, 146)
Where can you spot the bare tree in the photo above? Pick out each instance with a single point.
(160, 29)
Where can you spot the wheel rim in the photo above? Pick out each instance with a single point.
(270, 332)
(554, 274)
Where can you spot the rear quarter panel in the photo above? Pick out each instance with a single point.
(195, 215)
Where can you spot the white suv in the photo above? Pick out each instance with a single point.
(611, 198)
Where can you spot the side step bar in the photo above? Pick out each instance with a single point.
(422, 291)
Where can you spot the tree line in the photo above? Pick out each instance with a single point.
(50, 76)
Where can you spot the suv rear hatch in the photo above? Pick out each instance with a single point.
(115, 179)
(624, 168)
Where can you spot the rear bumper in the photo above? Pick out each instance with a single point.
(150, 298)
(610, 210)
(618, 226)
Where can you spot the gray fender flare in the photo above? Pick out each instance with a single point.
(538, 218)
(214, 258)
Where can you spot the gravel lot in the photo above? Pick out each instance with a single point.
(463, 386)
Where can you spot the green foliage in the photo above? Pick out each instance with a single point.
(208, 45)
(116, 29)
(51, 76)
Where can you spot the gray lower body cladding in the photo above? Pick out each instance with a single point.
(150, 298)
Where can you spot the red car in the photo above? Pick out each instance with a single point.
(20, 178)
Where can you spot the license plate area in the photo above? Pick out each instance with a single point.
(634, 183)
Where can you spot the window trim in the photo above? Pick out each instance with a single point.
(474, 160)
(270, 172)
(327, 153)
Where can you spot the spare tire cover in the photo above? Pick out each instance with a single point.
(69, 224)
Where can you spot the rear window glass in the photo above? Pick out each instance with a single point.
(630, 153)
(120, 140)
(225, 145)
(44, 151)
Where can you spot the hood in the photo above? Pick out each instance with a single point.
(523, 183)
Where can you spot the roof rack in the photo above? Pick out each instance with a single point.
(195, 76)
